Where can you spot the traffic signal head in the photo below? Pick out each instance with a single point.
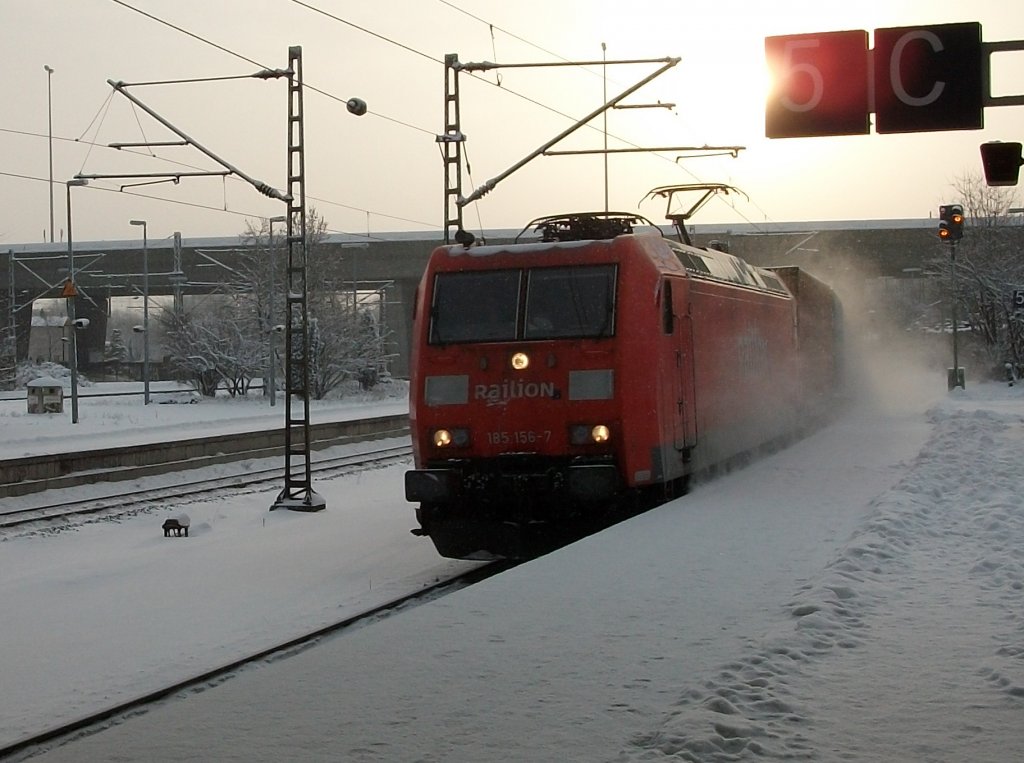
(1002, 162)
(951, 222)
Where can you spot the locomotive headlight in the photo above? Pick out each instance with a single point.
(520, 361)
(589, 434)
(446, 438)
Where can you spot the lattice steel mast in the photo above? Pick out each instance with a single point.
(451, 141)
(298, 490)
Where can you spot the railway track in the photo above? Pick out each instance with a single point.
(64, 733)
(338, 460)
(126, 501)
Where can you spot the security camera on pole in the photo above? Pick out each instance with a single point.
(951, 230)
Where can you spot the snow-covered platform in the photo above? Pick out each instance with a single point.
(857, 596)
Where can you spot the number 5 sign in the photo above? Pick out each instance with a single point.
(924, 78)
(820, 84)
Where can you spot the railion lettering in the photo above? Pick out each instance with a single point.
(513, 390)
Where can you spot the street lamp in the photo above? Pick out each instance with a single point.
(270, 307)
(71, 292)
(49, 124)
(145, 309)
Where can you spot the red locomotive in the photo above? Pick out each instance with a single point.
(556, 381)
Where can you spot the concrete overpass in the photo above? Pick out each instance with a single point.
(837, 252)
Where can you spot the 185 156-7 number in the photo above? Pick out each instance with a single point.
(519, 437)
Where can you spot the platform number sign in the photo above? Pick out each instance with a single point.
(915, 79)
(820, 84)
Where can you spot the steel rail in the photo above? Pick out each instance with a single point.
(87, 724)
(125, 501)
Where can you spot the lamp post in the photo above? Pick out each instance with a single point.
(71, 292)
(272, 330)
(145, 310)
(49, 126)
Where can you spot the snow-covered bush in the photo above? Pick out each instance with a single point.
(28, 370)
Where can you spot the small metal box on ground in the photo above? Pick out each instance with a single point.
(45, 395)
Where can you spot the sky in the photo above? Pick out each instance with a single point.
(855, 596)
(383, 171)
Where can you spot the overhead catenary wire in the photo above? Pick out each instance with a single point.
(125, 148)
(207, 207)
(491, 27)
(384, 38)
(256, 63)
(378, 36)
(338, 19)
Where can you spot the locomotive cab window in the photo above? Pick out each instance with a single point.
(475, 307)
(572, 302)
(507, 305)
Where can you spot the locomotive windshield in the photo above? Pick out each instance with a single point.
(538, 303)
(475, 307)
(569, 302)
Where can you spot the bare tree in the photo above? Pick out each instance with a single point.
(346, 339)
(987, 269)
(227, 340)
(985, 206)
(216, 345)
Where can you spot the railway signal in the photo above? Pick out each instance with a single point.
(951, 222)
(951, 230)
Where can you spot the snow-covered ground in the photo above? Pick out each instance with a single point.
(858, 596)
(112, 414)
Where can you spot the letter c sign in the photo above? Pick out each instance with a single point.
(928, 78)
